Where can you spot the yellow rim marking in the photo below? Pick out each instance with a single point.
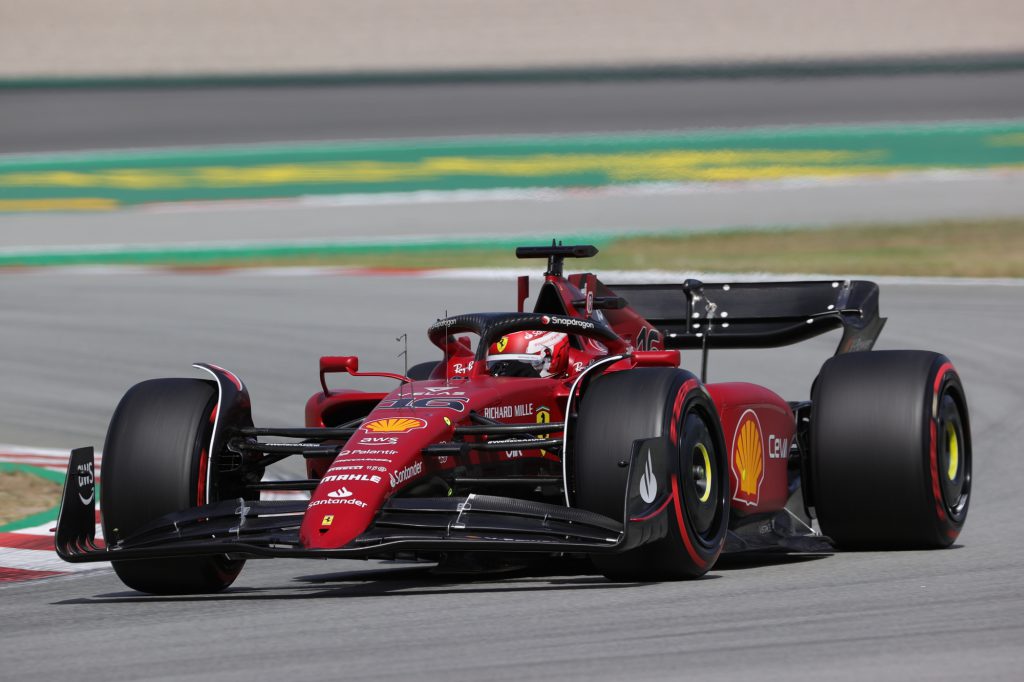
(707, 472)
(954, 451)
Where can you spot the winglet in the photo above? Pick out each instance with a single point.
(76, 524)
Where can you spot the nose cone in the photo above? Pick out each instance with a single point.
(382, 457)
(342, 509)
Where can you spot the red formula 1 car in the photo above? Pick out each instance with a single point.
(566, 431)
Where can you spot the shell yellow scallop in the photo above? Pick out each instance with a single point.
(394, 425)
(748, 459)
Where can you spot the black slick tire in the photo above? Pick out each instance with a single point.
(890, 450)
(621, 407)
(154, 463)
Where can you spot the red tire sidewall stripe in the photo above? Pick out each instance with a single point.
(677, 408)
(201, 491)
(700, 561)
(204, 457)
(677, 498)
(656, 511)
(940, 511)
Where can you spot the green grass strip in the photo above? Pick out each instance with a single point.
(775, 136)
(38, 518)
(100, 180)
(55, 476)
(200, 255)
(942, 248)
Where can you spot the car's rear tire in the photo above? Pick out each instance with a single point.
(154, 463)
(621, 407)
(890, 450)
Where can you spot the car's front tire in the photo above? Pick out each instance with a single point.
(154, 463)
(621, 407)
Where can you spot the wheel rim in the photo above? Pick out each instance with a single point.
(953, 456)
(702, 472)
(953, 448)
(701, 477)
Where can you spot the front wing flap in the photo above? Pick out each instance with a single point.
(246, 528)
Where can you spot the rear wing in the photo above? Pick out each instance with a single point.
(758, 315)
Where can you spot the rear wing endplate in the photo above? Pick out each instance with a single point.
(758, 314)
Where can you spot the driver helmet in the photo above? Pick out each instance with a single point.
(546, 353)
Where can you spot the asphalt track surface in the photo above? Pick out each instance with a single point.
(69, 119)
(72, 343)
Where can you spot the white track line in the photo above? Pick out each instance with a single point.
(46, 560)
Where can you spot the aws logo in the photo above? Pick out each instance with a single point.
(748, 459)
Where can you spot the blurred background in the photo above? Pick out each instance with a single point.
(149, 149)
(256, 183)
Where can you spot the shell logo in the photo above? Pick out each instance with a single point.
(748, 459)
(395, 425)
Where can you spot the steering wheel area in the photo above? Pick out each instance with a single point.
(492, 326)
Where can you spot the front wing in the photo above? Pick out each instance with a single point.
(250, 529)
